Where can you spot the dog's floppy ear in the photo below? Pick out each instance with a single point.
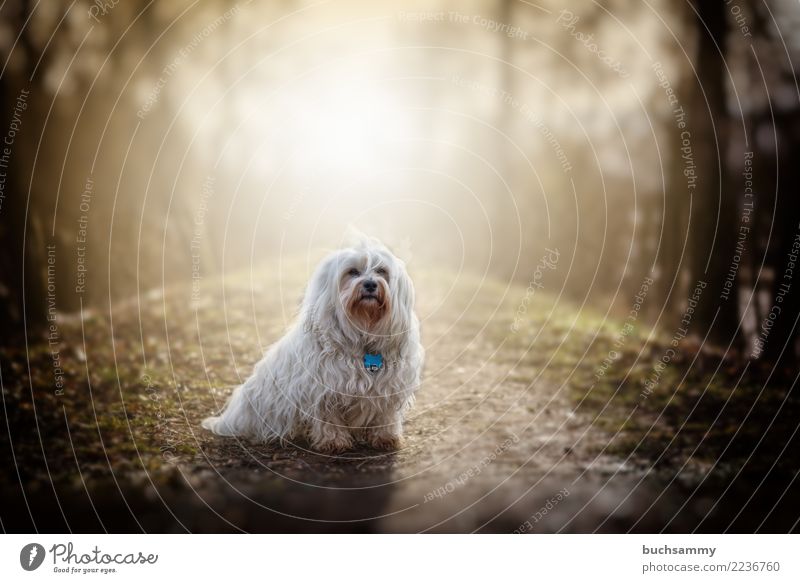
(403, 319)
(318, 302)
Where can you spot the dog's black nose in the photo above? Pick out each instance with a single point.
(370, 285)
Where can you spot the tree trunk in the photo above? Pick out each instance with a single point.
(715, 220)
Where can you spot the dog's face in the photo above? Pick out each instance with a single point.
(362, 290)
(365, 290)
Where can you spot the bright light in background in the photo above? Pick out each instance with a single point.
(336, 127)
(326, 153)
(353, 128)
(313, 154)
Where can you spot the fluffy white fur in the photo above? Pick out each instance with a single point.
(312, 385)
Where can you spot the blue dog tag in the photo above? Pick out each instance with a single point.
(373, 362)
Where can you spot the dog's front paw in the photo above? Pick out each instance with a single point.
(384, 440)
(333, 445)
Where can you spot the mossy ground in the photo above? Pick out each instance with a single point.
(138, 378)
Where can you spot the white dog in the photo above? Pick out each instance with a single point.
(348, 368)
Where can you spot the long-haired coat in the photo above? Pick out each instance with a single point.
(347, 369)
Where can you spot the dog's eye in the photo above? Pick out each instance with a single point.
(382, 272)
(354, 272)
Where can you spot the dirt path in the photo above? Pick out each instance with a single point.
(495, 443)
(491, 438)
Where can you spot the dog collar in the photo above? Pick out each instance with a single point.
(373, 362)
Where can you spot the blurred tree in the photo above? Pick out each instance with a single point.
(775, 137)
(714, 220)
(21, 266)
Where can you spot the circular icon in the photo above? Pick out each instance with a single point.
(31, 556)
